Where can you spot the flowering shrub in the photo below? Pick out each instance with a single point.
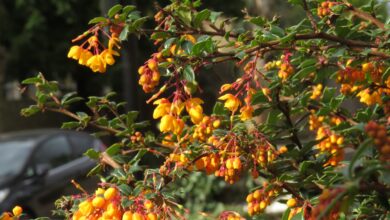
(283, 123)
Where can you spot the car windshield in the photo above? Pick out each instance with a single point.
(13, 156)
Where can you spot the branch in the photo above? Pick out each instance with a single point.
(286, 112)
(365, 16)
(310, 16)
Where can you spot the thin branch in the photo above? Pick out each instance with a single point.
(365, 16)
(310, 16)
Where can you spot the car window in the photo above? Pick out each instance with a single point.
(80, 143)
(54, 152)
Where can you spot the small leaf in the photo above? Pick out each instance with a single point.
(91, 153)
(113, 149)
(219, 109)
(125, 189)
(31, 80)
(189, 74)
(304, 72)
(70, 125)
(31, 110)
(114, 10)
(201, 16)
(128, 8)
(124, 33)
(97, 20)
(259, 21)
(358, 154)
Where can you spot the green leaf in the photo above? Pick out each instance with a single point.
(277, 31)
(303, 73)
(184, 15)
(259, 21)
(214, 16)
(113, 149)
(128, 8)
(201, 16)
(114, 10)
(295, 2)
(205, 45)
(124, 33)
(386, 75)
(307, 63)
(72, 100)
(358, 154)
(70, 125)
(286, 214)
(91, 153)
(32, 80)
(97, 20)
(219, 109)
(131, 116)
(139, 155)
(298, 216)
(259, 97)
(189, 74)
(31, 110)
(125, 189)
(328, 94)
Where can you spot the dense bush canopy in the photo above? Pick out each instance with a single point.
(305, 122)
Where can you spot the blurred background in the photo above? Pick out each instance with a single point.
(35, 36)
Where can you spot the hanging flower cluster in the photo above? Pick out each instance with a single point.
(92, 53)
(330, 142)
(261, 198)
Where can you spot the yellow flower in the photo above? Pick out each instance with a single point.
(75, 52)
(108, 57)
(166, 123)
(231, 102)
(113, 42)
(163, 108)
(225, 87)
(195, 110)
(177, 107)
(84, 57)
(369, 98)
(178, 126)
(86, 207)
(97, 64)
(190, 38)
(316, 91)
(246, 112)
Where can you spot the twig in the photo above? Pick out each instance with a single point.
(310, 16)
(365, 16)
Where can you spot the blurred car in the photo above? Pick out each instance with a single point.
(36, 168)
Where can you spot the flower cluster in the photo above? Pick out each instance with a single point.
(353, 78)
(381, 139)
(324, 9)
(330, 142)
(93, 54)
(149, 74)
(261, 198)
(229, 215)
(16, 214)
(106, 204)
(204, 129)
(170, 112)
(317, 91)
(325, 199)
